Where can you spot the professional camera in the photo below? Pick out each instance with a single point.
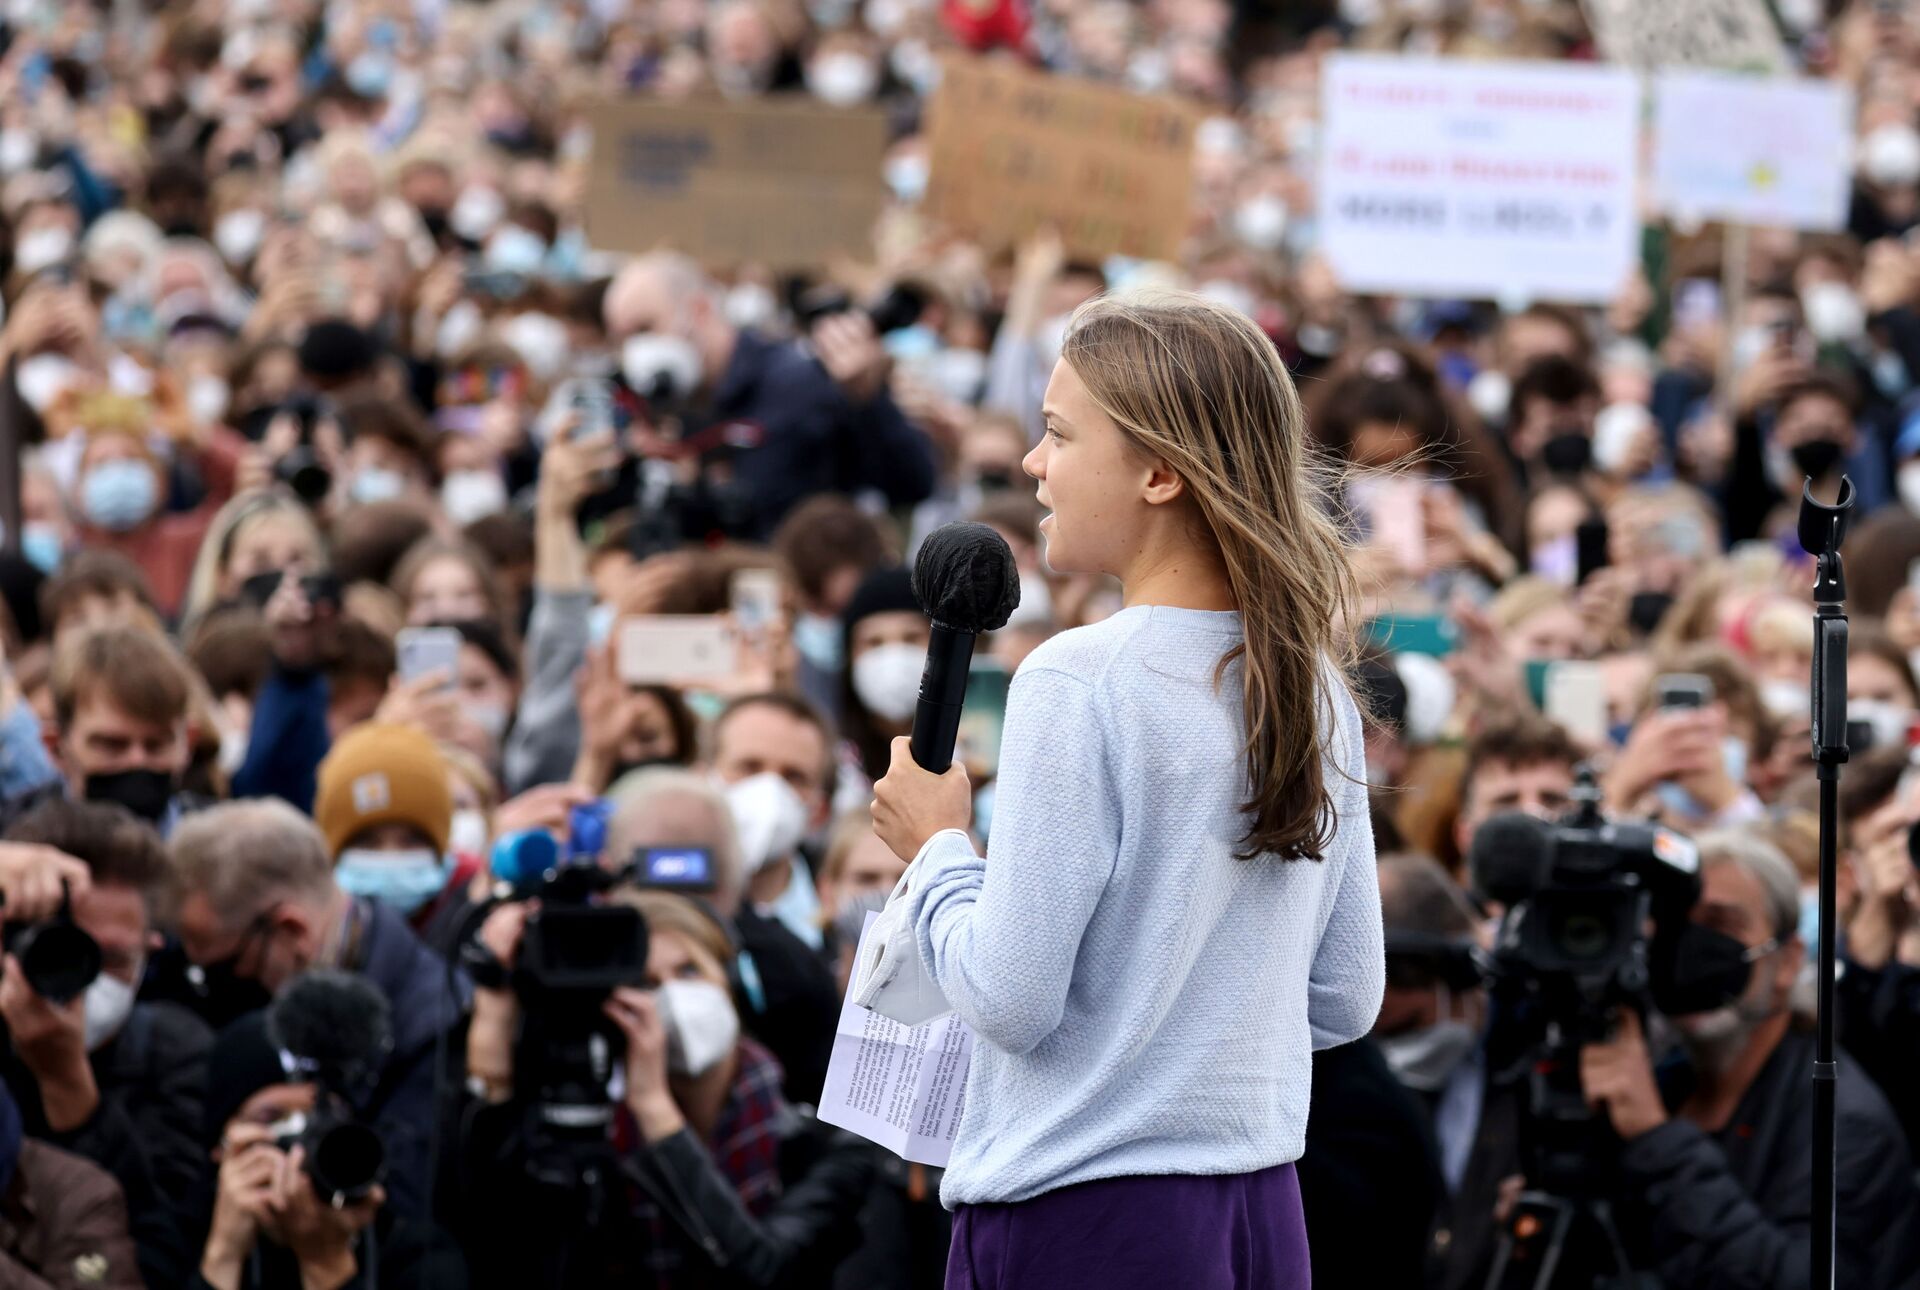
(575, 950)
(300, 469)
(1596, 919)
(900, 307)
(334, 1030)
(57, 956)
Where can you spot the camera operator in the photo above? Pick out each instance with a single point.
(120, 1082)
(270, 1228)
(1432, 1031)
(1713, 1185)
(793, 1007)
(1878, 992)
(256, 901)
(825, 420)
(722, 1182)
(1522, 763)
(120, 699)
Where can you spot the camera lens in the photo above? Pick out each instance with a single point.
(58, 959)
(346, 1161)
(1583, 936)
(301, 471)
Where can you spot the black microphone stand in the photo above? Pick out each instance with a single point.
(1823, 528)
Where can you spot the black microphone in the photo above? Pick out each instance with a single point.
(336, 1025)
(965, 580)
(1509, 857)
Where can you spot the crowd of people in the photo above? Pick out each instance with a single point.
(307, 354)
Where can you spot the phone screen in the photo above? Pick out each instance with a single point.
(421, 651)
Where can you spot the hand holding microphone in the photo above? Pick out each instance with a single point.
(966, 582)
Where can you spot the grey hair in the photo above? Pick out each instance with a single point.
(1767, 865)
(244, 856)
(640, 794)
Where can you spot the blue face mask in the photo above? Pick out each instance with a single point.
(818, 638)
(119, 495)
(599, 624)
(403, 881)
(24, 764)
(41, 547)
(377, 484)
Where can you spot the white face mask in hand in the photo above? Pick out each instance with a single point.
(769, 817)
(886, 680)
(701, 1025)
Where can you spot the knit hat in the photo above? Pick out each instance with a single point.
(383, 774)
(243, 1062)
(884, 591)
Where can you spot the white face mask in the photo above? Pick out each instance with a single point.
(109, 1002)
(207, 399)
(540, 340)
(843, 79)
(1489, 392)
(43, 378)
(769, 817)
(490, 717)
(701, 1025)
(475, 212)
(376, 484)
(42, 247)
(750, 304)
(1425, 1059)
(1908, 484)
(663, 368)
(469, 495)
(1261, 222)
(238, 234)
(886, 680)
(18, 150)
(1834, 313)
(467, 835)
(233, 750)
(1784, 698)
(460, 327)
(1890, 156)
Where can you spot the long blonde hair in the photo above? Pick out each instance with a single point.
(1201, 388)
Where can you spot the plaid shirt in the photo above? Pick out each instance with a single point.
(744, 1147)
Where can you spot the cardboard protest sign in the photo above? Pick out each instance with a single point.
(1012, 149)
(1514, 181)
(1734, 34)
(785, 182)
(1761, 150)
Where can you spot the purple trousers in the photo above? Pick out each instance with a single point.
(1171, 1232)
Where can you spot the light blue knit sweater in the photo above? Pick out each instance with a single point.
(1146, 1003)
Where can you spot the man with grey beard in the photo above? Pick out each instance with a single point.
(1715, 1179)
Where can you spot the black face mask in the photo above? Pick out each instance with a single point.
(1567, 453)
(223, 995)
(435, 221)
(144, 792)
(1646, 609)
(1816, 457)
(1697, 969)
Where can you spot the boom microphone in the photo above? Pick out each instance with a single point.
(336, 1025)
(965, 580)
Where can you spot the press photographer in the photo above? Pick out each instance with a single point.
(1697, 1169)
(119, 1082)
(299, 1202)
(698, 1173)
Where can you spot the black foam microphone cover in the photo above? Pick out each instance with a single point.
(337, 1024)
(1508, 856)
(966, 581)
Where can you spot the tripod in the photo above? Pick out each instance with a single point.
(1822, 530)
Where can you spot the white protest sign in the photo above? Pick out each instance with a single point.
(1503, 180)
(902, 1087)
(1756, 150)
(1687, 33)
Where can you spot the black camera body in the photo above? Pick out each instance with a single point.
(58, 958)
(345, 1158)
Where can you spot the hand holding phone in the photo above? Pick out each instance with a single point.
(427, 651)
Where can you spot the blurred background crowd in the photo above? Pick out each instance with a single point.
(352, 478)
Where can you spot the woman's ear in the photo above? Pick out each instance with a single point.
(1163, 485)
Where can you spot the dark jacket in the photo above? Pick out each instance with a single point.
(668, 1216)
(811, 439)
(404, 1253)
(1878, 1014)
(63, 1226)
(152, 1079)
(428, 997)
(288, 739)
(1370, 1177)
(1731, 1210)
(798, 1006)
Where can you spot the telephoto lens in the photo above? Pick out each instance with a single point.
(345, 1159)
(58, 959)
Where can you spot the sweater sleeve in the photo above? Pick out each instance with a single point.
(546, 730)
(1349, 973)
(1000, 935)
(288, 740)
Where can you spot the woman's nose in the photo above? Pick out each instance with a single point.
(1035, 462)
